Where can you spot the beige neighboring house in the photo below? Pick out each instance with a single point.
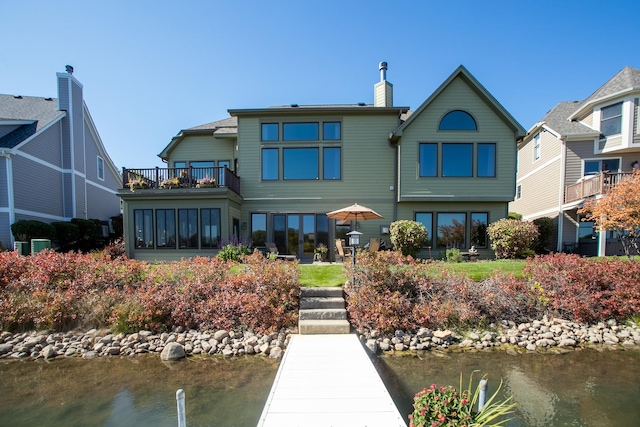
(279, 170)
(578, 151)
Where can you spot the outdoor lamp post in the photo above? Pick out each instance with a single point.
(354, 241)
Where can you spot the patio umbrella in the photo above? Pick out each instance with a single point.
(354, 212)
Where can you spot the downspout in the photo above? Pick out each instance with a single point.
(563, 172)
(10, 194)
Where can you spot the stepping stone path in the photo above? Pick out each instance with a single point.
(322, 311)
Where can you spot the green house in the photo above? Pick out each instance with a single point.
(271, 175)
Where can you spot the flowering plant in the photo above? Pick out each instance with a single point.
(445, 406)
(321, 248)
(206, 182)
(170, 183)
(137, 183)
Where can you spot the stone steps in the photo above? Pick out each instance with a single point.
(322, 311)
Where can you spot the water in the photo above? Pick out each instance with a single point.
(137, 391)
(581, 388)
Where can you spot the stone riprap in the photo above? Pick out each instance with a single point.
(178, 344)
(538, 335)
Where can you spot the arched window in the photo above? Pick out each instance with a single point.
(457, 120)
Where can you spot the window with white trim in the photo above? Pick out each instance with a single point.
(611, 119)
(536, 147)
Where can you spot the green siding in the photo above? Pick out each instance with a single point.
(202, 148)
(491, 128)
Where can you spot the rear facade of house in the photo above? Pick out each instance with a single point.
(449, 164)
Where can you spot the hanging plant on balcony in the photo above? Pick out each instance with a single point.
(206, 182)
(137, 183)
(170, 183)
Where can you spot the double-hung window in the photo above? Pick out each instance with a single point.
(611, 119)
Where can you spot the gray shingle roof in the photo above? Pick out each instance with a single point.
(557, 119)
(228, 122)
(627, 78)
(37, 110)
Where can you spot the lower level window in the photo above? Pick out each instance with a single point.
(166, 228)
(210, 227)
(143, 226)
(451, 230)
(187, 228)
(426, 219)
(258, 229)
(479, 223)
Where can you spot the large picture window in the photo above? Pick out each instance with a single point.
(486, 166)
(300, 163)
(479, 223)
(331, 163)
(611, 119)
(457, 159)
(428, 159)
(210, 227)
(300, 131)
(143, 226)
(187, 228)
(166, 228)
(269, 164)
(451, 230)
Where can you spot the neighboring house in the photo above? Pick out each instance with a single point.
(449, 165)
(53, 165)
(577, 151)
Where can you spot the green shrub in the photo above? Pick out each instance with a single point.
(453, 255)
(234, 252)
(511, 238)
(515, 215)
(545, 231)
(118, 227)
(66, 234)
(25, 230)
(408, 236)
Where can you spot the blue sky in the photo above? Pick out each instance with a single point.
(152, 68)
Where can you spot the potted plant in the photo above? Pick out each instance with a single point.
(170, 183)
(206, 182)
(321, 252)
(137, 183)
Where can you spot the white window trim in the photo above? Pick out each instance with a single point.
(98, 160)
(537, 147)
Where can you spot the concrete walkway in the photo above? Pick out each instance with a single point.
(328, 381)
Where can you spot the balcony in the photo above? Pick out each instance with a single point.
(167, 178)
(592, 185)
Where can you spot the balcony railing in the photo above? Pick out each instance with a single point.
(165, 178)
(592, 185)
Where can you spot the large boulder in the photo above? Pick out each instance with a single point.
(173, 351)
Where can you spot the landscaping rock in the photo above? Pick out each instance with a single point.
(173, 351)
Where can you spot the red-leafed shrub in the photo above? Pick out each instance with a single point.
(587, 289)
(52, 290)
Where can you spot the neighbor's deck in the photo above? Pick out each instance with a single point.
(328, 380)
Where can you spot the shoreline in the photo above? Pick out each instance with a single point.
(546, 335)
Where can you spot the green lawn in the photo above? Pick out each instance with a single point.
(331, 275)
(321, 275)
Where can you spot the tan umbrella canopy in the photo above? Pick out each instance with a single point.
(354, 212)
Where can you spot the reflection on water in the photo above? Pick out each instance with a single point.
(137, 391)
(581, 388)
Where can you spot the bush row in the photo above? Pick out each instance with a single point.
(392, 292)
(63, 291)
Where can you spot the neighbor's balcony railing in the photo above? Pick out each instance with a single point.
(592, 185)
(161, 178)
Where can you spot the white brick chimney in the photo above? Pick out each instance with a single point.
(383, 90)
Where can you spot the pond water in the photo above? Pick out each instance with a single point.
(581, 388)
(138, 391)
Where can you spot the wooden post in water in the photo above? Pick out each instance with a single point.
(182, 416)
(482, 397)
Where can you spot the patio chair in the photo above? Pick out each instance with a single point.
(374, 244)
(342, 251)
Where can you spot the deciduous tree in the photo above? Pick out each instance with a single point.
(618, 210)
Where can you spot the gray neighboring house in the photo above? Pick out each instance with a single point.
(53, 165)
(579, 150)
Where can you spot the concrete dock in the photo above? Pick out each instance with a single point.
(329, 381)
